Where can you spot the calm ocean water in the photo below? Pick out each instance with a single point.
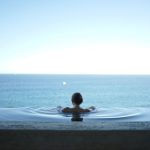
(24, 93)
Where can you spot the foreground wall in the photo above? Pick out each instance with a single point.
(74, 140)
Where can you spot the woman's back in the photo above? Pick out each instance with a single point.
(75, 110)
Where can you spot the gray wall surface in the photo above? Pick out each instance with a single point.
(74, 140)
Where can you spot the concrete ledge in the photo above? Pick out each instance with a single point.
(87, 125)
(78, 136)
(74, 140)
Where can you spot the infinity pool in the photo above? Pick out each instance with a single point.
(48, 114)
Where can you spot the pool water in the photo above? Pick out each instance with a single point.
(52, 114)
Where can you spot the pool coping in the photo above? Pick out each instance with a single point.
(88, 125)
(95, 135)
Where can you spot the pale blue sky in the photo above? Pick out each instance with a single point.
(75, 36)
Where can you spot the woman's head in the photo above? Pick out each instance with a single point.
(77, 99)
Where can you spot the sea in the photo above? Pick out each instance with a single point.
(27, 97)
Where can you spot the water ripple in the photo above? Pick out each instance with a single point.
(49, 114)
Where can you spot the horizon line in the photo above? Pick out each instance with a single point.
(73, 74)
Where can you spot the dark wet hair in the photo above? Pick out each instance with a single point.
(77, 98)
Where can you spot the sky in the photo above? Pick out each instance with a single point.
(75, 36)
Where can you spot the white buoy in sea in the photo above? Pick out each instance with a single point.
(64, 83)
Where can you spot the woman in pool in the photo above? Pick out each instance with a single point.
(76, 101)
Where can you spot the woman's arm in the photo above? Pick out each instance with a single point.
(66, 110)
(86, 110)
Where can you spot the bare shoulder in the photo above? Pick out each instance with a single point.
(67, 110)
